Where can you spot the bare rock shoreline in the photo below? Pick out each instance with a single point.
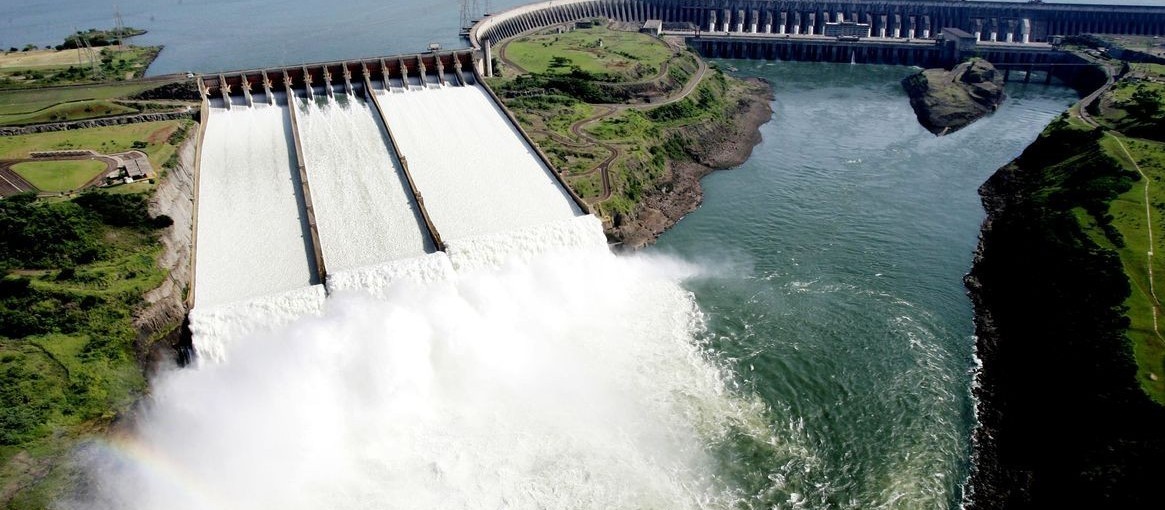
(713, 146)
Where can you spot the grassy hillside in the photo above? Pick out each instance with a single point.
(1071, 398)
(73, 274)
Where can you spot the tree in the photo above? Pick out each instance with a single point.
(1145, 103)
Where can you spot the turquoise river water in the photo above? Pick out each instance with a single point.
(840, 247)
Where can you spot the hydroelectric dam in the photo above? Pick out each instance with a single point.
(353, 174)
(902, 32)
(356, 174)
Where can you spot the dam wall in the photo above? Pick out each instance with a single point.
(907, 32)
(891, 19)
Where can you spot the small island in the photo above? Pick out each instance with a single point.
(946, 101)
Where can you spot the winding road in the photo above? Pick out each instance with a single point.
(604, 110)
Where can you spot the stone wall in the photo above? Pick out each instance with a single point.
(188, 113)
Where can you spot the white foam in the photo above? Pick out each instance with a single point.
(251, 235)
(492, 250)
(364, 214)
(476, 173)
(215, 327)
(377, 279)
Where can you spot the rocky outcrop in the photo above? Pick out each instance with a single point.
(181, 90)
(712, 146)
(185, 113)
(165, 306)
(946, 101)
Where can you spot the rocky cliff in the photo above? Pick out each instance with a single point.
(1062, 422)
(946, 101)
(165, 307)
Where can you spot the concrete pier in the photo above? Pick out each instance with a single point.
(309, 209)
(430, 228)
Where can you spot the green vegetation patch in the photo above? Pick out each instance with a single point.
(159, 140)
(74, 272)
(73, 66)
(27, 101)
(1127, 213)
(1136, 104)
(59, 175)
(78, 110)
(1086, 176)
(630, 55)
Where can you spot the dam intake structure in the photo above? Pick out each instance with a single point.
(353, 176)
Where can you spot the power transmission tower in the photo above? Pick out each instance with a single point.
(119, 27)
(88, 49)
(470, 11)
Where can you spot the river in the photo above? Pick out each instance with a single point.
(839, 250)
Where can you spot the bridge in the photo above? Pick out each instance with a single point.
(929, 32)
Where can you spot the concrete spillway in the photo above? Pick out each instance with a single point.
(477, 174)
(417, 182)
(364, 212)
(253, 237)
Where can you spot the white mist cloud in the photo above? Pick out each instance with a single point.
(572, 380)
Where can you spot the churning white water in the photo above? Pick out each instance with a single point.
(474, 170)
(566, 379)
(364, 212)
(252, 237)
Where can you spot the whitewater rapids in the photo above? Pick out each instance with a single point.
(561, 378)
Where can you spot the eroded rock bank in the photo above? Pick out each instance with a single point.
(946, 101)
(159, 321)
(711, 146)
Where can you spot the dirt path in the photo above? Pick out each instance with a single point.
(605, 110)
(1148, 230)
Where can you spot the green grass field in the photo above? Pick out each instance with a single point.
(619, 53)
(106, 140)
(28, 101)
(69, 67)
(59, 175)
(1129, 218)
(77, 110)
(73, 275)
